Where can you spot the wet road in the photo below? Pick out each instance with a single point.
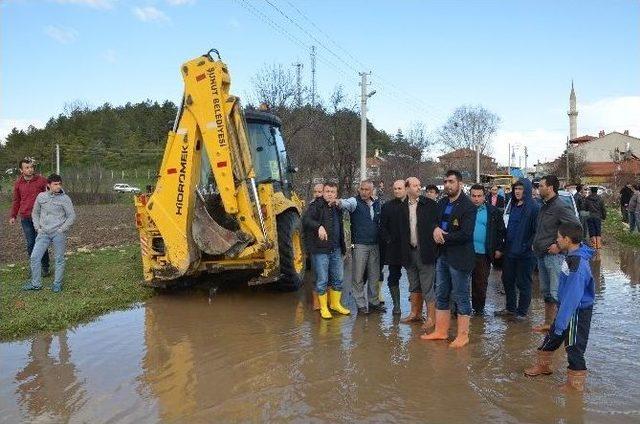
(249, 356)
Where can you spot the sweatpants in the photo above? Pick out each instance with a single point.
(575, 338)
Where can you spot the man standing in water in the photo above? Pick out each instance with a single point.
(419, 217)
(365, 220)
(456, 260)
(390, 236)
(552, 213)
(488, 244)
(325, 238)
(517, 267)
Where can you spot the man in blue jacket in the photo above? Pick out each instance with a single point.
(576, 294)
(456, 260)
(519, 261)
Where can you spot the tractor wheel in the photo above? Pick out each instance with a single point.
(292, 262)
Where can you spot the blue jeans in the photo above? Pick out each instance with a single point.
(43, 240)
(30, 236)
(328, 270)
(633, 222)
(516, 277)
(549, 268)
(452, 283)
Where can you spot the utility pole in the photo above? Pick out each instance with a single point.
(363, 123)
(298, 66)
(58, 159)
(526, 155)
(509, 161)
(477, 163)
(313, 75)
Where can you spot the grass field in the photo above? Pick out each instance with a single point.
(613, 227)
(95, 283)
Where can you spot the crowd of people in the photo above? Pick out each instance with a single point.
(447, 243)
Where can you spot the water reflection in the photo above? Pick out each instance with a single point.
(253, 355)
(48, 387)
(630, 264)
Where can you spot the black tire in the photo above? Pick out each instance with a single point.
(289, 223)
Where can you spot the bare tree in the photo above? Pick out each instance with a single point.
(469, 126)
(419, 138)
(274, 86)
(577, 166)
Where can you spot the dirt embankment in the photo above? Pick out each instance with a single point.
(96, 226)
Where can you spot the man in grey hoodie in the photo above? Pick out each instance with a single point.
(553, 212)
(52, 216)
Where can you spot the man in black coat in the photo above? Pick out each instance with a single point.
(488, 244)
(456, 260)
(390, 238)
(418, 250)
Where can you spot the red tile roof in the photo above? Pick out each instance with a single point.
(462, 153)
(582, 139)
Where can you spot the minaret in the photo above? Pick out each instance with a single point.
(573, 114)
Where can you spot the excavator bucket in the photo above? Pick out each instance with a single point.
(211, 237)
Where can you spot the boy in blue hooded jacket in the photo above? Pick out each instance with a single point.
(576, 293)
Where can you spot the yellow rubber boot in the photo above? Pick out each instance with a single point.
(335, 297)
(324, 310)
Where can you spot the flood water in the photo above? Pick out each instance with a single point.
(255, 356)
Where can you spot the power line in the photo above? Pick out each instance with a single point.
(325, 34)
(278, 28)
(294, 22)
(395, 88)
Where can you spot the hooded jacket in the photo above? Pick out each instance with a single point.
(519, 238)
(576, 288)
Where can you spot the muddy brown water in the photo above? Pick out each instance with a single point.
(256, 356)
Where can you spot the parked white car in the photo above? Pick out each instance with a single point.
(564, 195)
(125, 188)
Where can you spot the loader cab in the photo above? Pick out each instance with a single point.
(268, 152)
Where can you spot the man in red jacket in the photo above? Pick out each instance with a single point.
(25, 190)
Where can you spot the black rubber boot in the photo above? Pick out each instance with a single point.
(395, 297)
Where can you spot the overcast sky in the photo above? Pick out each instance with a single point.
(515, 58)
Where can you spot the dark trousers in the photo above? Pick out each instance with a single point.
(479, 281)
(517, 281)
(595, 227)
(395, 272)
(575, 339)
(625, 213)
(30, 235)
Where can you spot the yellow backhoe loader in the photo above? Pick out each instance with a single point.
(223, 201)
